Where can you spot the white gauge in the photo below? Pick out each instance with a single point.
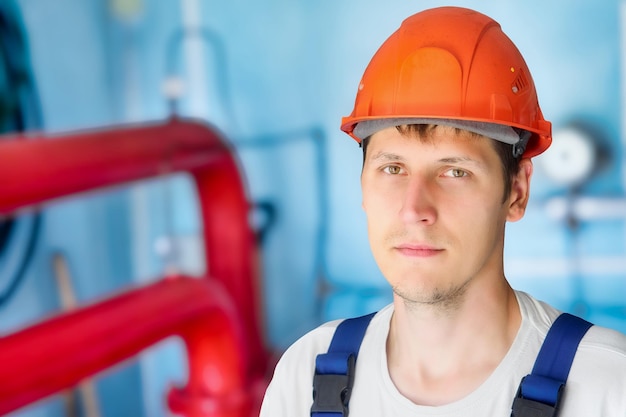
(571, 159)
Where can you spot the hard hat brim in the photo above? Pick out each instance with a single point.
(499, 132)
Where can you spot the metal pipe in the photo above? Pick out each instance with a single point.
(586, 208)
(59, 352)
(49, 167)
(46, 168)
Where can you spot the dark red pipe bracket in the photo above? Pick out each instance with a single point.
(217, 317)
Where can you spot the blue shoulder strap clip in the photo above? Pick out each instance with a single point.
(334, 370)
(539, 393)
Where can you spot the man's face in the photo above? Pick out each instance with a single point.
(435, 212)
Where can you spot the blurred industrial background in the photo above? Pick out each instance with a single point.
(275, 77)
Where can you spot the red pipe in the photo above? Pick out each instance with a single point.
(39, 168)
(59, 352)
(45, 168)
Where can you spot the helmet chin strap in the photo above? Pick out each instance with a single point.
(520, 146)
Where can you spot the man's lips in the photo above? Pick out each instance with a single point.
(418, 250)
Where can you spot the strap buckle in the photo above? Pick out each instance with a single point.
(526, 407)
(331, 392)
(523, 407)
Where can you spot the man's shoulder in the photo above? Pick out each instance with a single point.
(310, 344)
(598, 375)
(605, 341)
(304, 350)
(597, 381)
(318, 339)
(598, 341)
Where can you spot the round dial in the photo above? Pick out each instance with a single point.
(571, 159)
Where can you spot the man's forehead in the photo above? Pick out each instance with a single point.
(444, 140)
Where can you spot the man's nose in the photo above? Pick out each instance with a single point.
(418, 205)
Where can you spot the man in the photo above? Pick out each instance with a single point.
(448, 119)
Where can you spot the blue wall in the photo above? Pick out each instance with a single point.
(276, 77)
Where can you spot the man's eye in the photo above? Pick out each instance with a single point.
(392, 169)
(456, 173)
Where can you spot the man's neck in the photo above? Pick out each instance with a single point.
(440, 355)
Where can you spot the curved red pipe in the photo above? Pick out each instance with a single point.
(38, 168)
(45, 168)
(59, 352)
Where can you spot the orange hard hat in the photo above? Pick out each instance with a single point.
(451, 66)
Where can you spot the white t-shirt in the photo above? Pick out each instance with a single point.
(596, 386)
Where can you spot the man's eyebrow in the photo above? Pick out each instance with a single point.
(462, 160)
(457, 159)
(386, 156)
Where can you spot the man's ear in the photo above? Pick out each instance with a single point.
(520, 191)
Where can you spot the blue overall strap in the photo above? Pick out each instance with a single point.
(334, 370)
(540, 392)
